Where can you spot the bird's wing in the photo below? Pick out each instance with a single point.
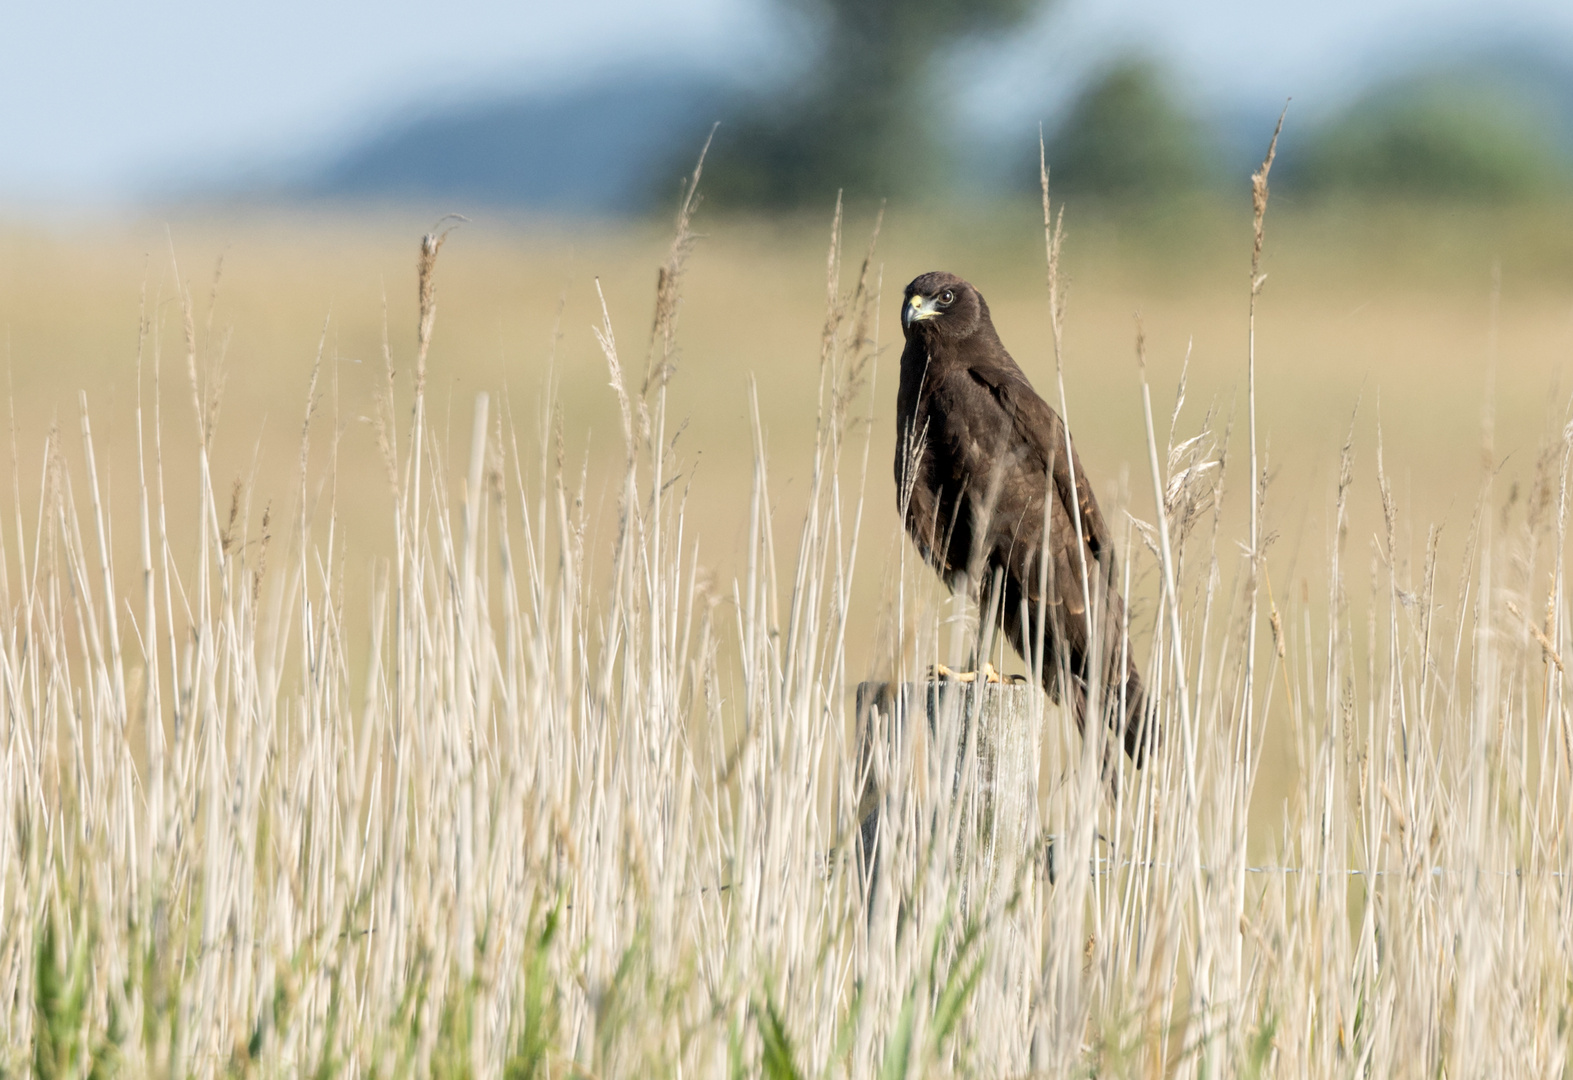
(1040, 436)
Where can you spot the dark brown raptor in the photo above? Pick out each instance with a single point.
(981, 468)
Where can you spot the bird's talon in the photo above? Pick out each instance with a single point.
(988, 673)
(941, 673)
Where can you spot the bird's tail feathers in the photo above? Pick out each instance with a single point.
(1141, 732)
(1129, 715)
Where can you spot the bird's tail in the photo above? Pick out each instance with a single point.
(1138, 723)
(1128, 714)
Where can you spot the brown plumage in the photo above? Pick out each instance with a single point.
(981, 465)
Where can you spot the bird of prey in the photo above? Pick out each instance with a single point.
(983, 468)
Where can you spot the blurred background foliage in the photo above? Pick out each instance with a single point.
(1130, 135)
(1436, 135)
(868, 114)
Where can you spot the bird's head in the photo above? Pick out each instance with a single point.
(939, 306)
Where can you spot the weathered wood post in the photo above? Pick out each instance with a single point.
(980, 737)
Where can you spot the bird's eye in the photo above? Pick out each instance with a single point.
(947, 298)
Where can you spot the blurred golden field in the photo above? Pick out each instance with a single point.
(1386, 308)
(1395, 311)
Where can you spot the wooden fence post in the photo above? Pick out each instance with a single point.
(993, 777)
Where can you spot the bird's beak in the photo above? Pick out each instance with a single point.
(918, 308)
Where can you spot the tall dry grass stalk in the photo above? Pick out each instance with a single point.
(584, 811)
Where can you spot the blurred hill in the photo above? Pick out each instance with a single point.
(597, 149)
(1493, 124)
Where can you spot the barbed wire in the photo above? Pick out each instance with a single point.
(1104, 867)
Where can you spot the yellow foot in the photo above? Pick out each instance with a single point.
(988, 671)
(940, 672)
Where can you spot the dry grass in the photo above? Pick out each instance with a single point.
(438, 745)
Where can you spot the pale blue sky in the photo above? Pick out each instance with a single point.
(100, 99)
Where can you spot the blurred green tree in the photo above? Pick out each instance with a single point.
(1127, 136)
(1441, 138)
(867, 116)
